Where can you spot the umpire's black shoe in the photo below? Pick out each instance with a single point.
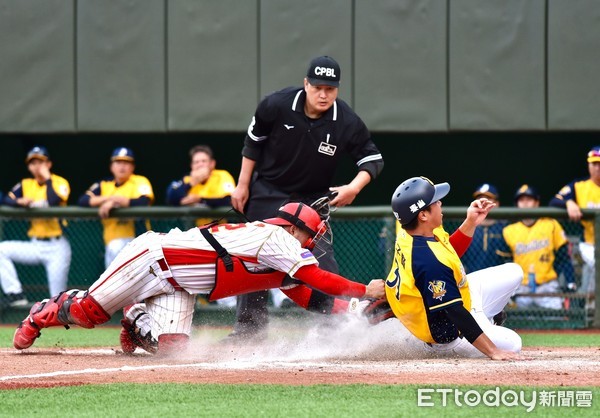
(500, 318)
(241, 337)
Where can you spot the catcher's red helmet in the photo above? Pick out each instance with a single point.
(302, 216)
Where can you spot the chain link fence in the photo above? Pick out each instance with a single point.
(576, 307)
(363, 242)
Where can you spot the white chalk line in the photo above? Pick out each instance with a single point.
(206, 366)
(393, 367)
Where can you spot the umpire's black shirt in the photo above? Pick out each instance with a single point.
(297, 154)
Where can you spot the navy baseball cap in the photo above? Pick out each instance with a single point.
(527, 190)
(487, 190)
(324, 71)
(122, 154)
(594, 155)
(37, 152)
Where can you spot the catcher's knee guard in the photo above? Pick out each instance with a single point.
(65, 309)
(87, 313)
(172, 343)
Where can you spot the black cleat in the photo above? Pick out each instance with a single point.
(500, 318)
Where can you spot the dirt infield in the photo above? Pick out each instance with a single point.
(292, 360)
(58, 367)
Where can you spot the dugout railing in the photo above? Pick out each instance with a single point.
(364, 240)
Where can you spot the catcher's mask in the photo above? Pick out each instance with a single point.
(305, 218)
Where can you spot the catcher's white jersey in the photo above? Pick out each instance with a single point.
(153, 263)
(192, 259)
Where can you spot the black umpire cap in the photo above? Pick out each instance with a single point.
(324, 71)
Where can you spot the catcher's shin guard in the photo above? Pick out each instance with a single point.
(172, 343)
(65, 309)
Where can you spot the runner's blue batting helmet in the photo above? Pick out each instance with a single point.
(414, 195)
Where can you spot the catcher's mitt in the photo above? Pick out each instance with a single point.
(377, 311)
(322, 207)
(374, 310)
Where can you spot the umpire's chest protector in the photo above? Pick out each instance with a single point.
(402, 288)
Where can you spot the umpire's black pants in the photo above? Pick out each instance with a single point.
(265, 200)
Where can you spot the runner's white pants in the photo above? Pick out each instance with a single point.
(491, 290)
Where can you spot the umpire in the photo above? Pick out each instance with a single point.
(294, 143)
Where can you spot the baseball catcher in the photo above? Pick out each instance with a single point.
(166, 271)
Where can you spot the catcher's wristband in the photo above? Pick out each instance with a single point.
(353, 306)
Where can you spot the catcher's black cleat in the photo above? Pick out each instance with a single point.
(131, 334)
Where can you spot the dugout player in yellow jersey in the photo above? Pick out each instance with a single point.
(580, 194)
(47, 246)
(123, 189)
(204, 186)
(540, 247)
(450, 313)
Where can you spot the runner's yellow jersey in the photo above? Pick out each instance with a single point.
(426, 277)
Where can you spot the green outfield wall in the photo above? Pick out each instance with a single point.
(189, 65)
